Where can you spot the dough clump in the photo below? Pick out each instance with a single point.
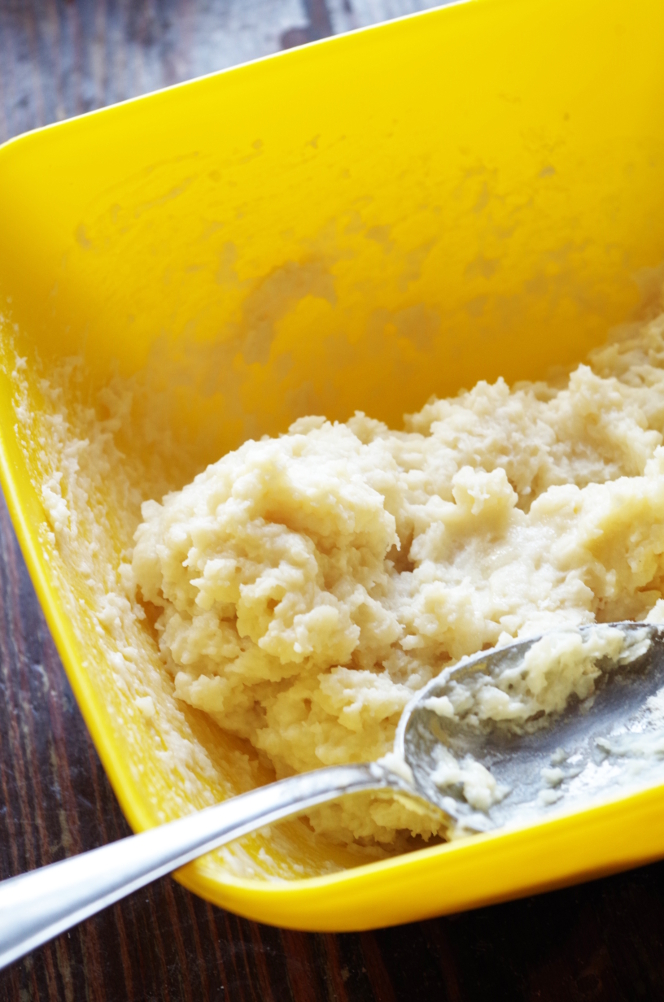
(306, 586)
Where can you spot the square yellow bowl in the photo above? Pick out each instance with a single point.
(471, 192)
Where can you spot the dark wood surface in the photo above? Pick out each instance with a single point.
(603, 941)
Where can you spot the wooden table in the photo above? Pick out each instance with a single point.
(603, 941)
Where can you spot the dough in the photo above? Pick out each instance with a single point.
(306, 586)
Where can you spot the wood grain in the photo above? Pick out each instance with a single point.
(603, 941)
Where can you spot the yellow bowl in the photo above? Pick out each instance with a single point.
(467, 193)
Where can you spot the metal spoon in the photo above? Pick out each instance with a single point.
(583, 753)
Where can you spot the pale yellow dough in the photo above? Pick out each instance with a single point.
(307, 585)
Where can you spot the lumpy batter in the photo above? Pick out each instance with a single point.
(307, 585)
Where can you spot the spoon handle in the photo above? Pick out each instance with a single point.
(36, 906)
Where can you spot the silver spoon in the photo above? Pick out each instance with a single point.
(584, 753)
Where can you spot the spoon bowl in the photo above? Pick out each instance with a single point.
(609, 739)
